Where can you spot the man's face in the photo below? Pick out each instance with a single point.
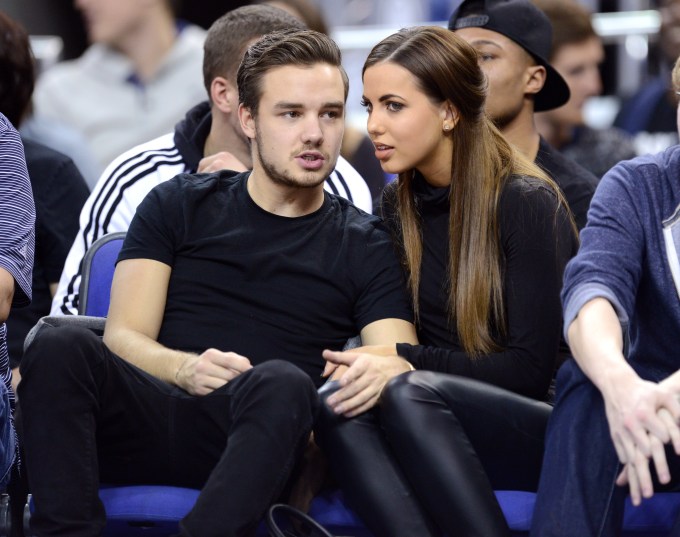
(299, 124)
(109, 21)
(578, 63)
(505, 65)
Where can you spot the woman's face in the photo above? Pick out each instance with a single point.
(406, 127)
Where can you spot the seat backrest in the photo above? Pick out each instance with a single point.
(98, 266)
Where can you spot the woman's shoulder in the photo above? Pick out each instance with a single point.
(522, 189)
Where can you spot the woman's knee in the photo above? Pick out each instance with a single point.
(400, 392)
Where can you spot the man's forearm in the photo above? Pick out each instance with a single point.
(596, 342)
(146, 353)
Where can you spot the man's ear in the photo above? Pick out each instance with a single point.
(224, 95)
(535, 79)
(247, 121)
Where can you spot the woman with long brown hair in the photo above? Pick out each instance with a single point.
(484, 236)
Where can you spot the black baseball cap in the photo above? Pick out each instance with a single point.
(526, 25)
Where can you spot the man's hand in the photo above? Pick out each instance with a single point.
(200, 375)
(221, 161)
(362, 384)
(642, 416)
(640, 466)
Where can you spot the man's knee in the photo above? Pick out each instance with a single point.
(285, 383)
(55, 350)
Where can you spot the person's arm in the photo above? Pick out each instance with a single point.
(367, 373)
(6, 293)
(537, 241)
(138, 296)
(632, 404)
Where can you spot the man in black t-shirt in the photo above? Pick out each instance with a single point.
(227, 290)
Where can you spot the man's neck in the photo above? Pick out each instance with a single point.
(223, 137)
(148, 44)
(556, 134)
(522, 133)
(283, 200)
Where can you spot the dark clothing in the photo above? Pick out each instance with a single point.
(536, 245)
(598, 150)
(439, 442)
(652, 109)
(59, 192)
(577, 183)
(102, 419)
(269, 286)
(277, 290)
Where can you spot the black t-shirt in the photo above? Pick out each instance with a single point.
(262, 285)
(536, 241)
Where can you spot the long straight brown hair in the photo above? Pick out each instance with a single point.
(446, 70)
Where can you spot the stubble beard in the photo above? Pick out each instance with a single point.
(306, 180)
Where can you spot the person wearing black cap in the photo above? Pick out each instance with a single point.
(513, 39)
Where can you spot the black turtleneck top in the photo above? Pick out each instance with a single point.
(536, 240)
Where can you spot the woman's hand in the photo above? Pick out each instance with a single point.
(364, 380)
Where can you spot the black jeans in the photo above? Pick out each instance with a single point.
(433, 453)
(90, 417)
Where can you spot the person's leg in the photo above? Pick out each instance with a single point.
(457, 439)
(77, 398)
(267, 417)
(577, 493)
(364, 466)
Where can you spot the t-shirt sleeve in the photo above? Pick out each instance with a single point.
(17, 213)
(155, 227)
(381, 287)
(537, 241)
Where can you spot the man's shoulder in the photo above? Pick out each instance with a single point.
(657, 171)
(564, 170)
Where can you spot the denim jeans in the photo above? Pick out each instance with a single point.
(577, 493)
(89, 417)
(7, 438)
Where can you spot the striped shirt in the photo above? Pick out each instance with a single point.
(17, 230)
(125, 183)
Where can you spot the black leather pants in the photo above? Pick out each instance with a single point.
(450, 441)
(365, 468)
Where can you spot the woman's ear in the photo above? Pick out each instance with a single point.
(449, 117)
